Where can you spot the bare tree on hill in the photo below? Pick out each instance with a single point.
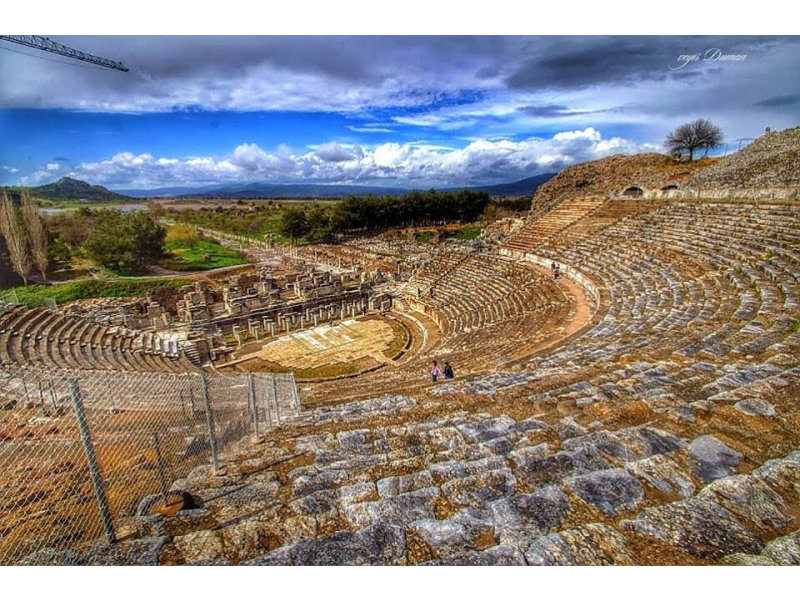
(14, 233)
(37, 234)
(697, 135)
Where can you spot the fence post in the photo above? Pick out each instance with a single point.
(212, 435)
(25, 389)
(275, 397)
(295, 394)
(53, 395)
(267, 410)
(91, 460)
(251, 397)
(162, 476)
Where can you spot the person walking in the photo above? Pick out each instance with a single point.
(435, 371)
(448, 371)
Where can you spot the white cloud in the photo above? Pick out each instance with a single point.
(411, 163)
(370, 129)
(53, 166)
(333, 152)
(590, 133)
(9, 169)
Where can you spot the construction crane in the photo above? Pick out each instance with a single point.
(46, 44)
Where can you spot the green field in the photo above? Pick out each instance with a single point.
(76, 204)
(260, 223)
(38, 295)
(200, 255)
(466, 233)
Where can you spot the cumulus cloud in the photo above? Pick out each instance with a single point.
(333, 152)
(481, 161)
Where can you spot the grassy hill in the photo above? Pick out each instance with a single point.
(67, 188)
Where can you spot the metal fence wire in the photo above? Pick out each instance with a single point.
(83, 451)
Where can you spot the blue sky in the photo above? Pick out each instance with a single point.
(412, 111)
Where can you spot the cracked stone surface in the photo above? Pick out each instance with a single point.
(699, 527)
(589, 545)
(711, 459)
(379, 544)
(613, 491)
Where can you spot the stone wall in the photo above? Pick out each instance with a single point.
(611, 176)
(566, 270)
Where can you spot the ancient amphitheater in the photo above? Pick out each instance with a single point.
(641, 408)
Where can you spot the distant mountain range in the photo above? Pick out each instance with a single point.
(67, 188)
(524, 187)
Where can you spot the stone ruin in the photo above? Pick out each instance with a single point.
(661, 429)
(640, 409)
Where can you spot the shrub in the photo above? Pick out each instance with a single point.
(185, 235)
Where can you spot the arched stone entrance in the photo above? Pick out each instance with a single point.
(633, 191)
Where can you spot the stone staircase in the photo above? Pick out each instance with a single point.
(555, 220)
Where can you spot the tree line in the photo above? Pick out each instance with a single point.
(352, 214)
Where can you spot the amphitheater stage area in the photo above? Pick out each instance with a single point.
(331, 350)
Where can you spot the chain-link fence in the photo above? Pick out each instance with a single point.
(84, 451)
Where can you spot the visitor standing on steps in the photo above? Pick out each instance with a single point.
(435, 371)
(448, 370)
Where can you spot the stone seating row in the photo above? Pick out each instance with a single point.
(52, 338)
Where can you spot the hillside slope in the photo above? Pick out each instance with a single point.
(612, 175)
(771, 161)
(67, 188)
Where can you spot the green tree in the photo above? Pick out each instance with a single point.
(60, 252)
(294, 223)
(319, 224)
(126, 243)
